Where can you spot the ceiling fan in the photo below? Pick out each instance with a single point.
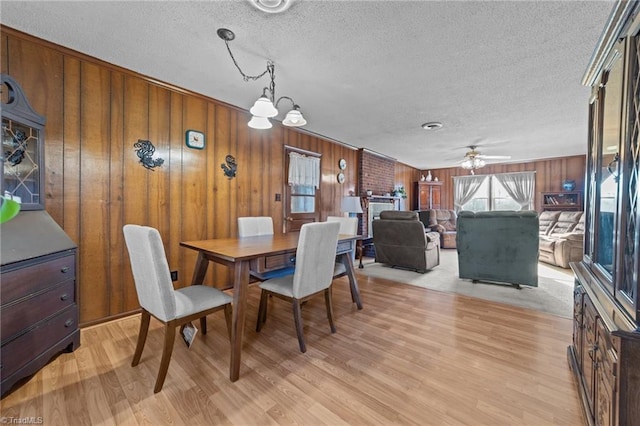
(475, 160)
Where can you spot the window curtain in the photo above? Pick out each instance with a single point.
(464, 188)
(520, 186)
(304, 170)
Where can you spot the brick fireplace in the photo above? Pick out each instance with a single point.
(376, 174)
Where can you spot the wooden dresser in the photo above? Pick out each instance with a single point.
(39, 312)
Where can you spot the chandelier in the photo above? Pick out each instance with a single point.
(266, 106)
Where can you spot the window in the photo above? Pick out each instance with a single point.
(494, 195)
(303, 199)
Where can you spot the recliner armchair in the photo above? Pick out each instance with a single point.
(499, 246)
(444, 222)
(400, 239)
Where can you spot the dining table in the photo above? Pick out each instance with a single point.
(238, 254)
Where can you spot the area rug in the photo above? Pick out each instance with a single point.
(553, 295)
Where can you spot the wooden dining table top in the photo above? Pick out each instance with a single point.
(234, 249)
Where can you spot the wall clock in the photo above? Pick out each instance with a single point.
(341, 177)
(195, 139)
(342, 164)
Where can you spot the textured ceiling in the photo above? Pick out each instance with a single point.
(502, 75)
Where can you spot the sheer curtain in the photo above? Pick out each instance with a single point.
(304, 170)
(464, 188)
(520, 186)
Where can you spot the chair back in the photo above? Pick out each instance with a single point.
(445, 218)
(399, 239)
(499, 246)
(315, 258)
(253, 226)
(348, 225)
(151, 272)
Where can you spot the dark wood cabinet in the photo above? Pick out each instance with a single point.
(428, 195)
(38, 289)
(605, 353)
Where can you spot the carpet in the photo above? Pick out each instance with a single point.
(553, 295)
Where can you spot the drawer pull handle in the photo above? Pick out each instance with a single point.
(64, 297)
(64, 270)
(68, 323)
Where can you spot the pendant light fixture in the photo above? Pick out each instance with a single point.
(266, 106)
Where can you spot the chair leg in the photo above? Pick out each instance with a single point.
(327, 299)
(297, 317)
(203, 325)
(169, 339)
(142, 337)
(262, 310)
(228, 313)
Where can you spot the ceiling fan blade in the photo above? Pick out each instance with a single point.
(493, 157)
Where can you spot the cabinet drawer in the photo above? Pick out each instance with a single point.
(36, 278)
(25, 348)
(270, 263)
(345, 246)
(21, 315)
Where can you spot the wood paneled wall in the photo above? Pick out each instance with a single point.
(550, 174)
(94, 183)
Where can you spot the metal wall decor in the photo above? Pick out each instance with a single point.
(230, 167)
(144, 151)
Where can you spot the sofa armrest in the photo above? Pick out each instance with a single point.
(439, 228)
(570, 236)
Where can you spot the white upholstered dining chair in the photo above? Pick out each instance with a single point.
(315, 257)
(348, 226)
(158, 298)
(251, 226)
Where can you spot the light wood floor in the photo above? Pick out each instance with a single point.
(412, 356)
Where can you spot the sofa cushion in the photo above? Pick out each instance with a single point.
(566, 222)
(547, 220)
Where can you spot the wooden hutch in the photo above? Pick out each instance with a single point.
(38, 288)
(428, 195)
(605, 352)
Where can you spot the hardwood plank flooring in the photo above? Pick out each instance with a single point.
(411, 356)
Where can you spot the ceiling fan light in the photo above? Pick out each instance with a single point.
(259, 123)
(263, 107)
(294, 118)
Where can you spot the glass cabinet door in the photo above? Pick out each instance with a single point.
(21, 173)
(21, 158)
(606, 167)
(627, 291)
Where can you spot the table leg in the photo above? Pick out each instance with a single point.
(200, 271)
(360, 253)
(240, 285)
(353, 282)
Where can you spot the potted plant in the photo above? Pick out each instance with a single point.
(399, 192)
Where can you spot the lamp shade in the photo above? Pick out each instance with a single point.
(294, 118)
(259, 123)
(351, 205)
(263, 108)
